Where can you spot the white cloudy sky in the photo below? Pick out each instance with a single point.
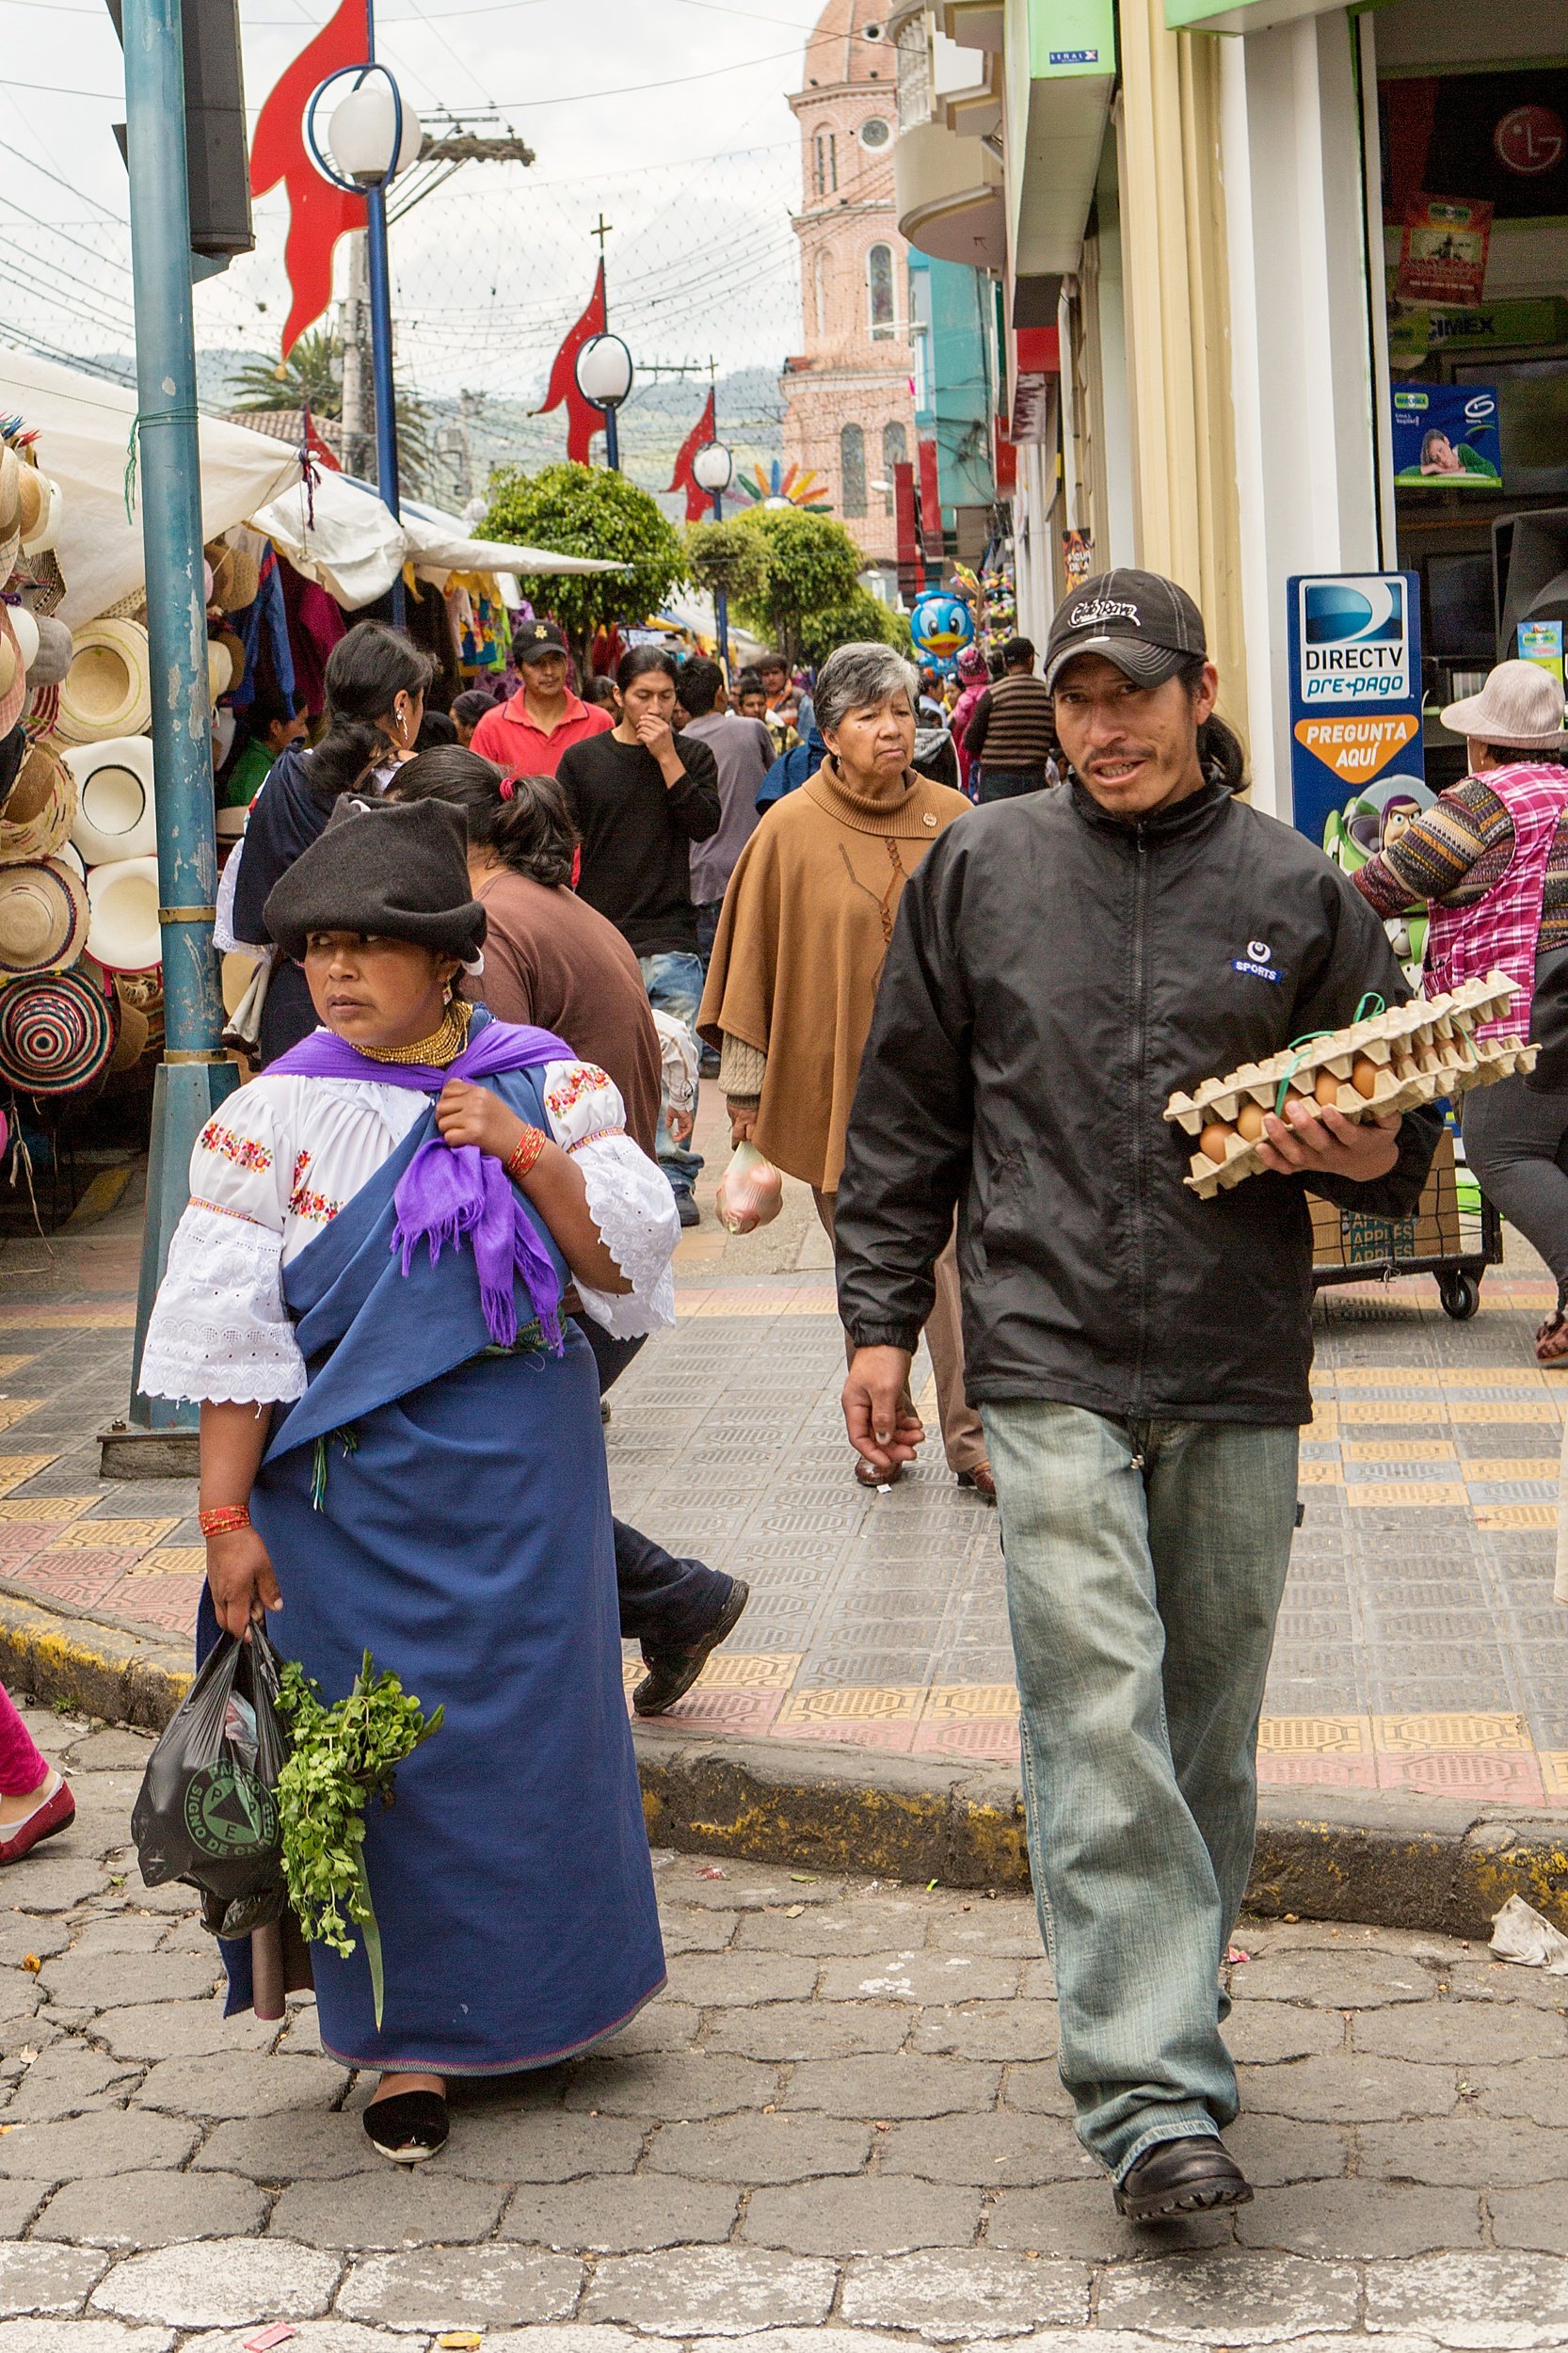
(668, 113)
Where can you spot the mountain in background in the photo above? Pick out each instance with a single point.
(471, 435)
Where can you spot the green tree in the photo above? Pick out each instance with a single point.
(726, 558)
(861, 619)
(814, 568)
(587, 510)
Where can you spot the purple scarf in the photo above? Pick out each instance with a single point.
(446, 1193)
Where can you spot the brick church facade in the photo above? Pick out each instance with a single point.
(849, 408)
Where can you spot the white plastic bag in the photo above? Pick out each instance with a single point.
(751, 1191)
(1520, 1933)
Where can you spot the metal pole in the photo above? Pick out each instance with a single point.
(195, 1074)
(355, 306)
(611, 441)
(382, 364)
(721, 602)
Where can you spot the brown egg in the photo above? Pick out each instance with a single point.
(1326, 1092)
(1364, 1076)
(1214, 1139)
(1249, 1121)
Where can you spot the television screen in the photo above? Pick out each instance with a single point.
(1461, 626)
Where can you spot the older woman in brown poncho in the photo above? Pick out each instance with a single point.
(795, 966)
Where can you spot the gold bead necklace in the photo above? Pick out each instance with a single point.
(441, 1047)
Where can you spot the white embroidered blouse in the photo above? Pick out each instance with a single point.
(282, 1157)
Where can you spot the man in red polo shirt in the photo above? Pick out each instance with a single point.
(526, 736)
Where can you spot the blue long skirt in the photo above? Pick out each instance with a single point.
(466, 1542)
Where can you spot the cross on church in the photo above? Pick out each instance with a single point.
(601, 230)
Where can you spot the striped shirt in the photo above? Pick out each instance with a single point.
(1457, 851)
(1014, 725)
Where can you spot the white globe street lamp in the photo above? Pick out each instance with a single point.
(713, 471)
(604, 374)
(366, 137)
(371, 137)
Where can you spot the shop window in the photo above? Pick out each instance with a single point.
(851, 469)
(879, 283)
(895, 452)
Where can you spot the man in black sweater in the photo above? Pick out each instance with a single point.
(1060, 965)
(639, 797)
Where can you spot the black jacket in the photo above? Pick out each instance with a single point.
(1054, 975)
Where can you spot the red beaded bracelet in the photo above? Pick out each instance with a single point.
(524, 1153)
(224, 1519)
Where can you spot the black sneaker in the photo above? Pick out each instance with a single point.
(1194, 2174)
(671, 1672)
(687, 1210)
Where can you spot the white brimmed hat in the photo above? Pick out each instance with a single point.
(115, 816)
(13, 673)
(1519, 708)
(123, 936)
(108, 688)
(43, 917)
(35, 820)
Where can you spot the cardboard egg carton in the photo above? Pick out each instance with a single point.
(1385, 1065)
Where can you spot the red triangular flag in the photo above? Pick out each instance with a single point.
(319, 214)
(583, 419)
(699, 503)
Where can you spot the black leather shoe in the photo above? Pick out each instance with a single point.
(671, 1672)
(687, 1211)
(409, 2127)
(1196, 2174)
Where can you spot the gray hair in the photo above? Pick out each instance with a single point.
(853, 676)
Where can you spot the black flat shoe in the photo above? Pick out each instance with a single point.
(409, 2127)
(1196, 2174)
(671, 1672)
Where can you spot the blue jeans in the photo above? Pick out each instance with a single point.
(1145, 1563)
(674, 986)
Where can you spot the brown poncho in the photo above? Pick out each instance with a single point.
(801, 942)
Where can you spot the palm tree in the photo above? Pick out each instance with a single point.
(311, 378)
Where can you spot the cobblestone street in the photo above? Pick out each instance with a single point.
(843, 2118)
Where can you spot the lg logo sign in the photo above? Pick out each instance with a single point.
(1530, 139)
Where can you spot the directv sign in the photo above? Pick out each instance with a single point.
(1356, 689)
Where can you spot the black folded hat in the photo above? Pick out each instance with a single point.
(389, 870)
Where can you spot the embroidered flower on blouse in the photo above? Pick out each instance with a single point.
(319, 1208)
(245, 1151)
(581, 1078)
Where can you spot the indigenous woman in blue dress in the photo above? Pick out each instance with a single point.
(401, 1451)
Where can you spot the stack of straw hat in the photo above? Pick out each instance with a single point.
(76, 812)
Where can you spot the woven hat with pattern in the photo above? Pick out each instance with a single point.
(35, 820)
(57, 1033)
(43, 917)
(13, 673)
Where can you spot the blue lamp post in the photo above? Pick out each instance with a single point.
(713, 471)
(371, 137)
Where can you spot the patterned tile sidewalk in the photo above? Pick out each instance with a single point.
(1419, 1647)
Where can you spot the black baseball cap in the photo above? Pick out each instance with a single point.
(537, 638)
(1146, 625)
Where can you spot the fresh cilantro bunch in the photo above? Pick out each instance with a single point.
(340, 1758)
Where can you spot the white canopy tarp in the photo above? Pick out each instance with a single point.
(355, 550)
(84, 428)
(338, 535)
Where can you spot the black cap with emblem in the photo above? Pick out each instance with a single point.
(536, 639)
(1146, 625)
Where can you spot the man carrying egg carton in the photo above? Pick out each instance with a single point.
(1380, 1067)
(1061, 964)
